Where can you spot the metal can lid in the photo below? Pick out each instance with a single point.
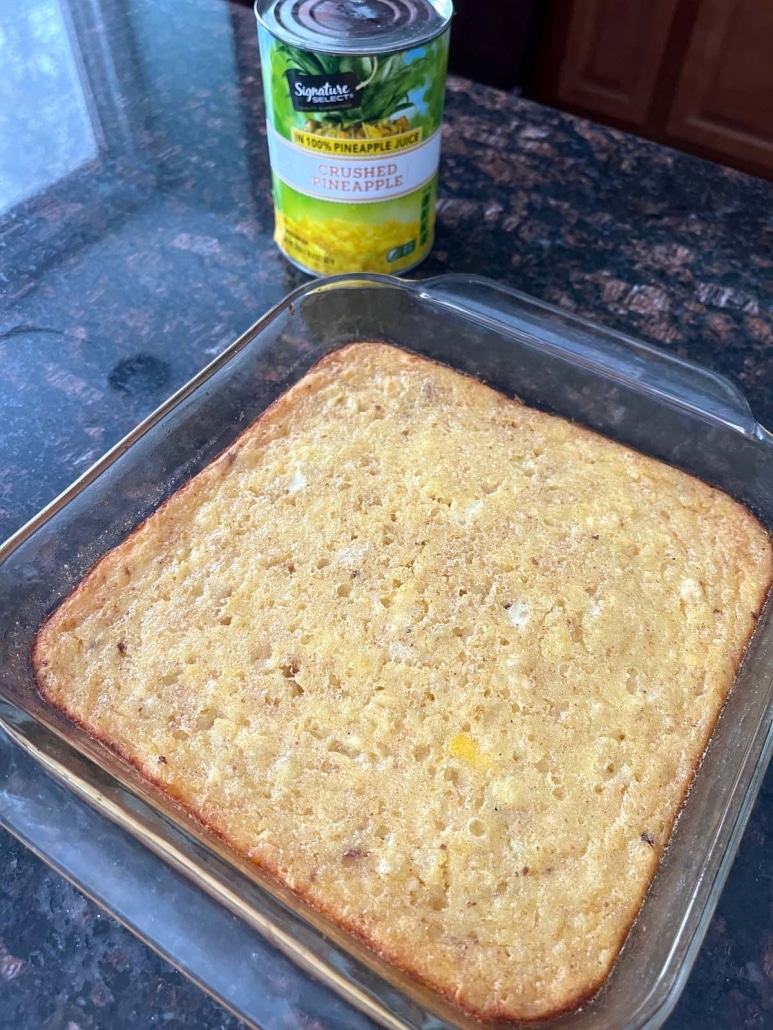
(354, 26)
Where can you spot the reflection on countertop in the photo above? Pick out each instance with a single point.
(135, 243)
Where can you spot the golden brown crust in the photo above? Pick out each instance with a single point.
(441, 664)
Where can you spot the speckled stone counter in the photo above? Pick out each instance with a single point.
(128, 273)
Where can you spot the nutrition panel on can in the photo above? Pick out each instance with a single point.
(354, 137)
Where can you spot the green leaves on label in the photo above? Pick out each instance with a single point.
(389, 84)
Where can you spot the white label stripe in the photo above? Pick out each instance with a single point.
(348, 180)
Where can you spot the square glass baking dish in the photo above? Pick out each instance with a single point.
(645, 398)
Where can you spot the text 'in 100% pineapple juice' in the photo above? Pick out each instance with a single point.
(354, 102)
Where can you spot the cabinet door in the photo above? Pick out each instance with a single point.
(724, 99)
(613, 51)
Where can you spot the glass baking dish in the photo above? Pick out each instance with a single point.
(657, 403)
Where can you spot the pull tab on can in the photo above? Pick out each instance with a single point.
(354, 95)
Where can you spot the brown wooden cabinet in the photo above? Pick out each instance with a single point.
(615, 52)
(696, 74)
(724, 97)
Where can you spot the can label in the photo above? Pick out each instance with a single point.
(354, 142)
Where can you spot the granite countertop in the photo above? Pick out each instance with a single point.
(142, 254)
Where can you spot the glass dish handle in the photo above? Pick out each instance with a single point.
(613, 354)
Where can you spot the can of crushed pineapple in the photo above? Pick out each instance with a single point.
(354, 102)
